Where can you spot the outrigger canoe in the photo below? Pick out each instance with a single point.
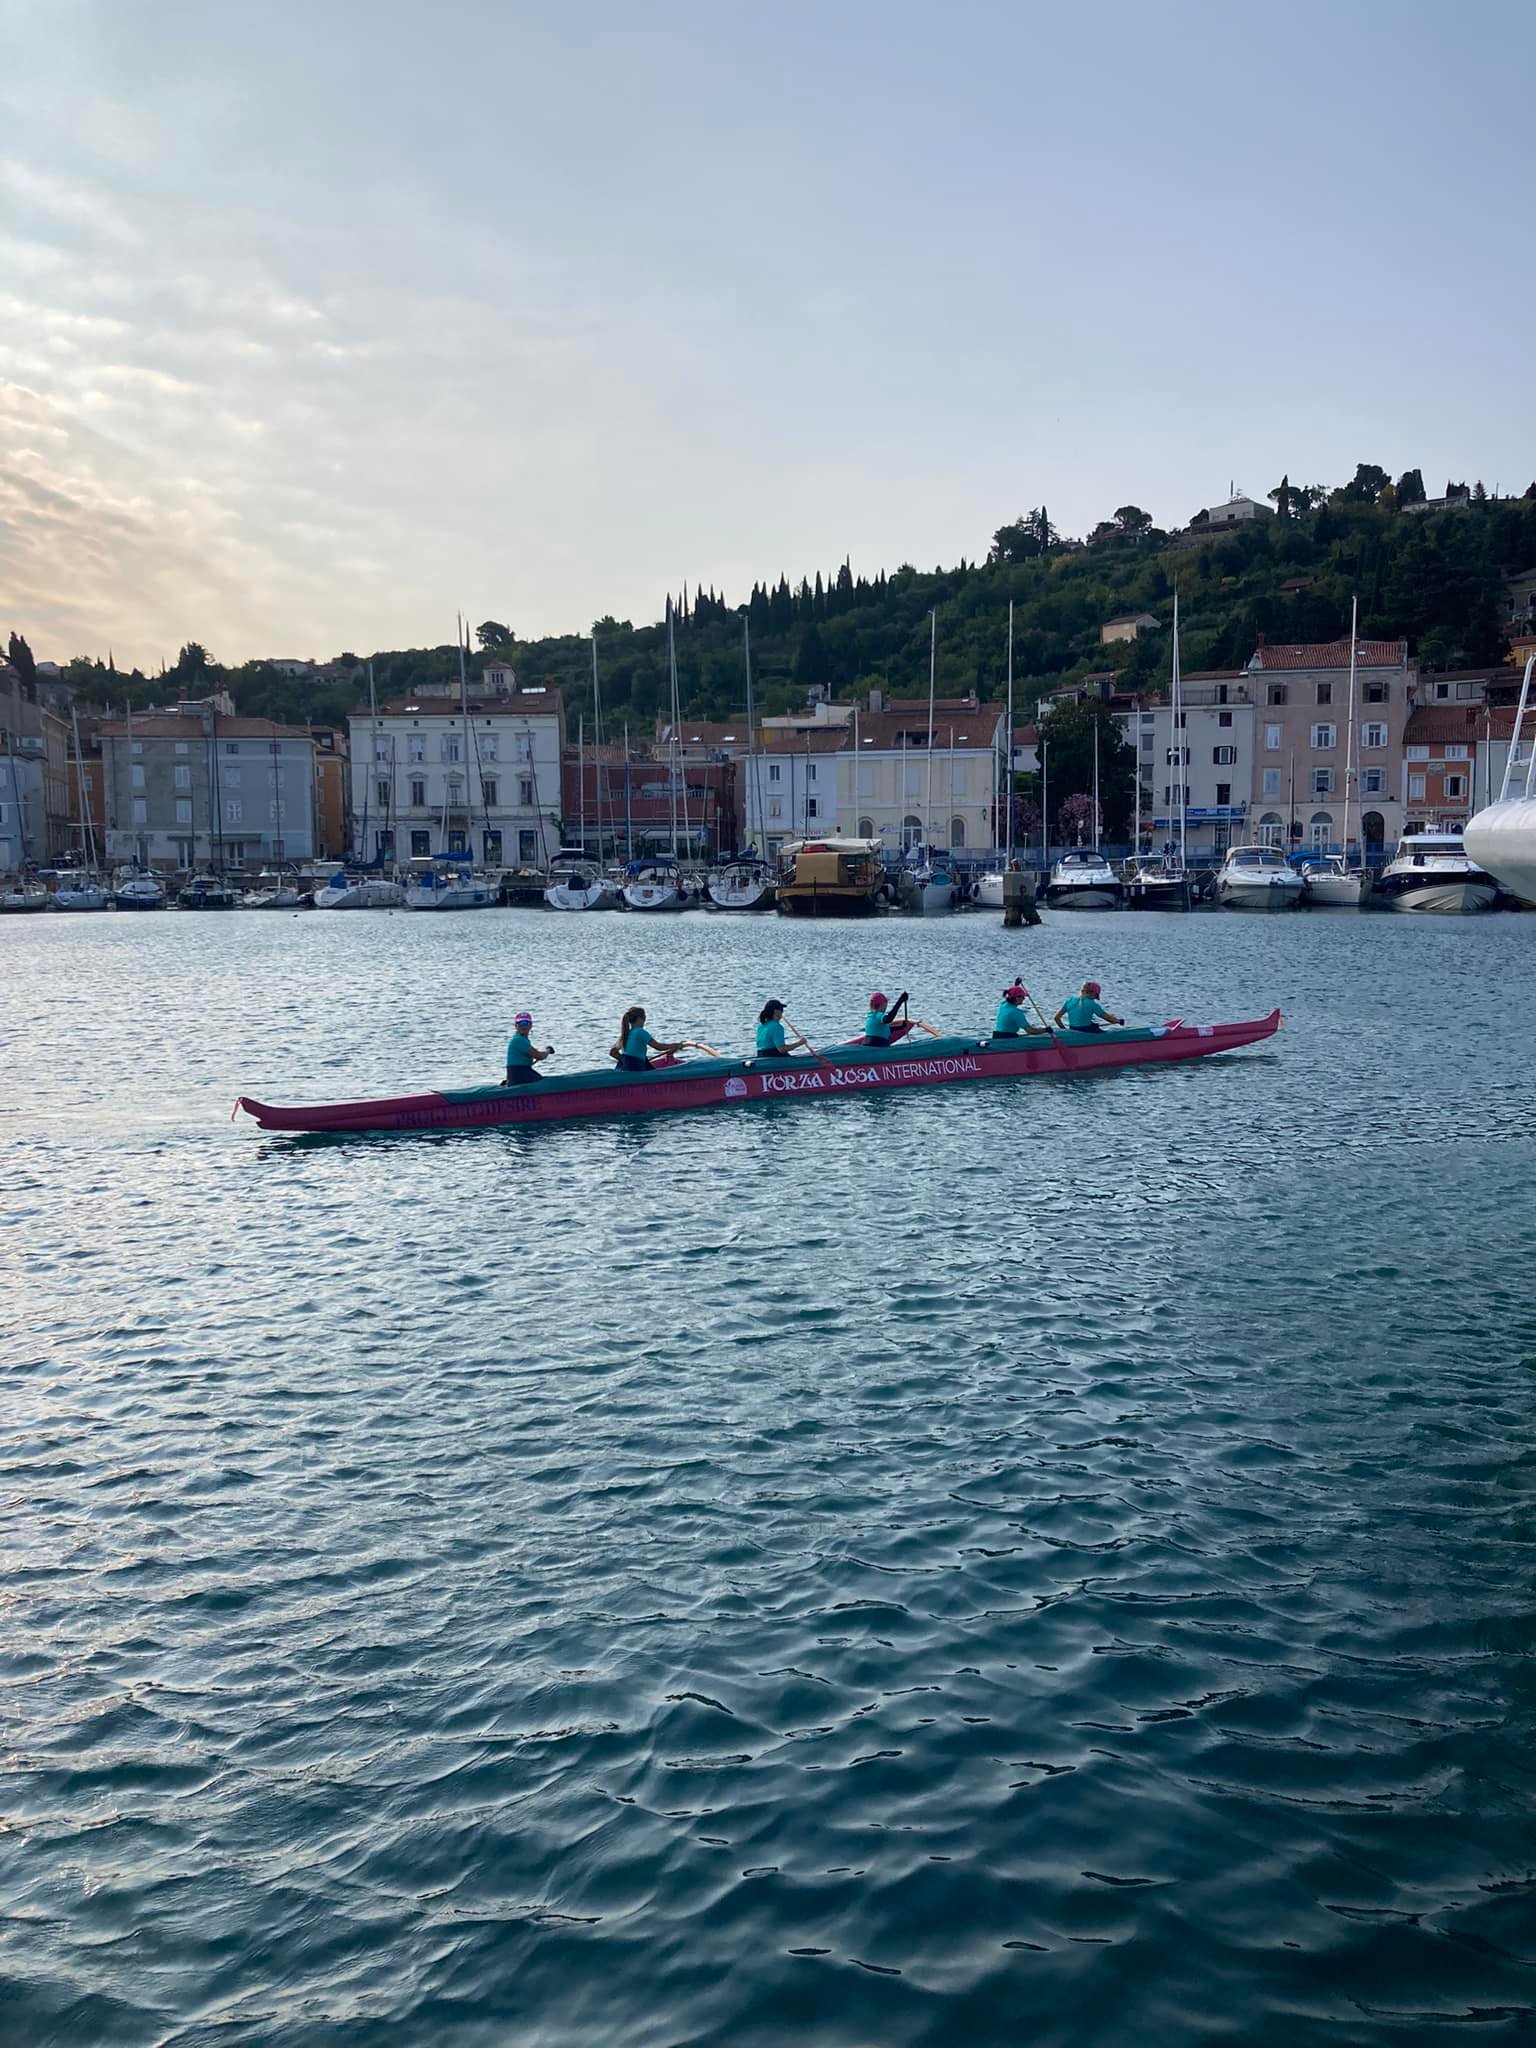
(717, 1083)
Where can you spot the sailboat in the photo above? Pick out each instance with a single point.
(1332, 884)
(1161, 881)
(1501, 837)
(927, 887)
(746, 881)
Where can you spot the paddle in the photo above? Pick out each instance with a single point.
(815, 1055)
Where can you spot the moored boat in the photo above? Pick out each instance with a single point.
(1432, 871)
(1258, 878)
(208, 892)
(1501, 838)
(576, 883)
(1331, 885)
(1084, 880)
(344, 891)
(1158, 881)
(523, 887)
(22, 895)
(746, 883)
(448, 885)
(655, 884)
(81, 892)
(133, 889)
(831, 878)
(719, 1083)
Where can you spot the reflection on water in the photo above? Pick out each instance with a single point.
(1047, 1563)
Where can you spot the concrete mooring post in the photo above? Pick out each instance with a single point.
(1019, 899)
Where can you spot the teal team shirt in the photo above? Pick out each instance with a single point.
(1010, 1019)
(770, 1036)
(876, 1028)
(638, 1044)
(520, 1050)
(1083, 1012)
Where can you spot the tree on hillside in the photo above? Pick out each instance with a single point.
(192, 664)
(24, 664)
(1366, 485)
(811, 665)
(493, 636)
(1132, 521)
(1016, 542)
(1479, 495)
(1410, 487)
(1283, 496)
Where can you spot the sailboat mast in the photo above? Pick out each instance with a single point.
(1181, 751)
(373, 766)
(933, 650)
(672, 750)
(597, 747)
(754, 767)
(1045, 807)
(1008, 747)
(581, 779)
(1098, 828)
(88, 830)
(1349, 735)
(629, 823)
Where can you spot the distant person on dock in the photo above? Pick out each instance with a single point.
(1012, 1019)
(771, 1041)
(1083, 1011)
(522, 1053)
(632, 1048)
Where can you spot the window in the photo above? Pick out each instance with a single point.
(525, 746)
(1417, 753)
(1182, 720)
(1272, 739)
(448, 749)
(1322, 782)
(1376, 693)
(380, 752)
(1148, 717)
(810, 771)
(1271, 781)
(1456, 753)
(492, 844)
(1373, 781)
(1320, 831)
(1223, 795)
(1223, 718)
(384, 845)
(418, 793)
(421, 845)
(1276, 693)
(527, 847)
(233, 811)
(488, 746)
(231, 746)
(141, 811)
(1223, 757)
(1146, 743)
(183, 776)
(957, 831)
(488, 789)
(135, 746)
(775, 807)
(813, 807)
(183, 747)
(1173, 793)
(1416, 789)
(911, 831)
(1455, 786)
(773, 771)
(1178, 757)
(183, 810)
(1325, 693)
(457, 840)
(866, 828)
(525, 792)
(381, 790)
(1325, 736)
(234, 852)
(416, 748)
(1271, 829)
(1373, 734)
(1442, 691)
(136, 774)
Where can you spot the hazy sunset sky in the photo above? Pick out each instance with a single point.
(320, 323)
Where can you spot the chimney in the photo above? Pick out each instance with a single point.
(1261, 639)
(877, 700)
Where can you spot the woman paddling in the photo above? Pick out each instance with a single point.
(1012, 1018)
(1083, 1011)
(877, 1022)
(632, 1048)
(771, 1041)
(522, 1053)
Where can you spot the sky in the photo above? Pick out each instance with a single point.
(322, 323)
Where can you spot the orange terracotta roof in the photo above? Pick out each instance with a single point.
(1458, 724)
(1333, 654)
(171, 727)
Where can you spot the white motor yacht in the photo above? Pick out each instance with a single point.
(446, 885)
(23, 894)
(745, 884)
(1084, 880)
(1501, 838)
(987, 889)
(1432, 871)
(133, 889)
(1258, 878)
(1331, 885)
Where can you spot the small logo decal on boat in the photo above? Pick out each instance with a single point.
(1207, 1030)
(735, 1086)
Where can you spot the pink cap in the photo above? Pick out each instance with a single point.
(877, 1001)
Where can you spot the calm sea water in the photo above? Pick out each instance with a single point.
(1046, 1564)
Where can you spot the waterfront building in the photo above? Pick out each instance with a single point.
(1126, 626)
(192, 786)
(1300, 696)
(790, 786)
(1210, 762)
(1453, 763)
(432, 778)
(890, 788)
(651, 798)
(333, 833)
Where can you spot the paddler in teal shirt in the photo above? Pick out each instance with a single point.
(522, 1053)
(877, 1023)
(1012, 1018)
(771, 1041)
(1083, 1011)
